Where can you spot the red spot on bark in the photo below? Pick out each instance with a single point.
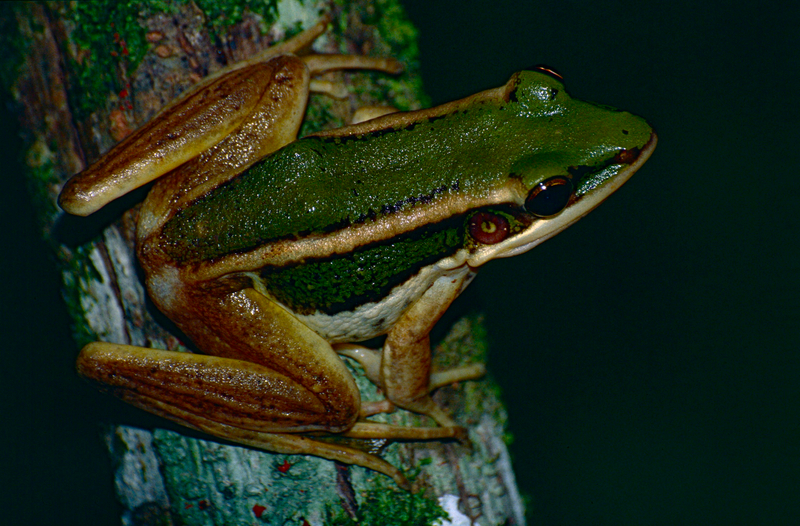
(203, 504)
(121, 44)
(258, 510)
(283, 468)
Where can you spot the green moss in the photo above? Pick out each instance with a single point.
(78, 271)
(319, 115)
(386, 504)
(111, 43)
(393, 36)
(397, 30)
(222, 14)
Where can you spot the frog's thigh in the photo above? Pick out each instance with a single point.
(181, 131)
(269, 373)
(406, 360)
(231, 399)
(272, 121)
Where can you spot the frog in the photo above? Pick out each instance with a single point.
(278, 256)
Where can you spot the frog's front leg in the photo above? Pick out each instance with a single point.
(403, 367)
(406, 357)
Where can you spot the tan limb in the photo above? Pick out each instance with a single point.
(318, 64)
(157, 382)
(376, 430)
(196, 388)
(457, 374)
(240, 400)
(406, 357)
(370, 360)
(192, 125)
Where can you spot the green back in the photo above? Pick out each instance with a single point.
(318, 185)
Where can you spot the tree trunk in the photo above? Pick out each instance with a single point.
(82, 76)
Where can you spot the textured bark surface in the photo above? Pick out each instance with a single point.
(82, 76)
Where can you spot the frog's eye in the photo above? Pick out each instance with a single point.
(488, 228)
(549, 197)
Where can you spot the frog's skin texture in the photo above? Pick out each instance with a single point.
(275, 255)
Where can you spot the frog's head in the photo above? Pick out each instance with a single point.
(579, 154)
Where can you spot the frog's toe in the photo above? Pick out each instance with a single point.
(457, 374)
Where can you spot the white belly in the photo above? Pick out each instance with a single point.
(373, 319)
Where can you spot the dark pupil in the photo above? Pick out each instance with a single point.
(549, 197)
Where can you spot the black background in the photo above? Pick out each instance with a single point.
(648, 355)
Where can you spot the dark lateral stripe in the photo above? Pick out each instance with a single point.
(185, 247)
(420, 199)
(341, 283)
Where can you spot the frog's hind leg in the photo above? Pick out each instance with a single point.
(270, 378)
(117, 366)
(318, 64)
(274, 93)
(201, 117)
(258, 104)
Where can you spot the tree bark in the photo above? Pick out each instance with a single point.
(85, 74)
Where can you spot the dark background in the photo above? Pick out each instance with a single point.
(648, 355)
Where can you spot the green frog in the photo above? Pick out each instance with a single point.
(276, 255)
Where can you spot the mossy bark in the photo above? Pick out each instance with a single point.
(82, 76)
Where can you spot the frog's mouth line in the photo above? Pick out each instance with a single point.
(593, 190)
